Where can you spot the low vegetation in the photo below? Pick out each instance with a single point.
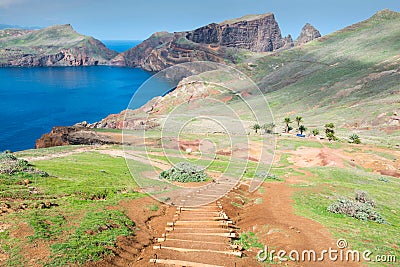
(355, 139)
(248, 240)
(98, 231)
(184, 172)
(330, 132)
(10, 164)
(65, 203)
(361, 208)
(332, 187)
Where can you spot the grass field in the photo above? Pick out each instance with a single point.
(68, 212)
(328, 184)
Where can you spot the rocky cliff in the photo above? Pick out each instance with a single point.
(74, 135)
(308, 33)
(214, 42)
(53, 46)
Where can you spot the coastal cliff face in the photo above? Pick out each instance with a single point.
(214, 42)
(53, 46)
(308, 33)
(163, 50)
(74, 135)
(260, 33)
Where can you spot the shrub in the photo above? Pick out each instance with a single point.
(362, 196)
(355, 139)
(248, 240)
(10, 164)
(266, 175)
(383, 179)
(184, 172)
(269, 127)
(315, 132)
(362, 208)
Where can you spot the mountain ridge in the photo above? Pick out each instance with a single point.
(219, 42)
(58, 45)
(350, 77)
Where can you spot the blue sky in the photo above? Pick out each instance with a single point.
(138, 19)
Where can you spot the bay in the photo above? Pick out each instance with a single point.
(120, 45)
(33, 100)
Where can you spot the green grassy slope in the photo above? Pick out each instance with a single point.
(64, 210)
(17, 44)
(55, 36)
(350, 77)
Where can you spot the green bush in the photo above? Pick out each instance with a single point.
(10, 164)
(355, 139)
(184, 172)
(248, 240)
(267, 175)
(362, 197)
(361, 208)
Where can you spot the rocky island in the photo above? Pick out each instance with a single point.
(58, 45)
(225, 42)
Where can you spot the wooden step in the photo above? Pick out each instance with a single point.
(189, 237)
(200, 223)
(187, 217)
(182, 263)
(208, 229)
(225, 234)
(235, 253)
(192, 209)
(163, 239)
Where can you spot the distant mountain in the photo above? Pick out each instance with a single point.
(223, 42)
(58, 45)
(308, 33)
(350, 77)
(7, 26)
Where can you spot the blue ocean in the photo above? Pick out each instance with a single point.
(120, 45)
(33, 100)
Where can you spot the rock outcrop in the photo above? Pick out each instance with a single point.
(259, 33)
(308, 33)
(73, 135)
(214, 42)
(53, 46)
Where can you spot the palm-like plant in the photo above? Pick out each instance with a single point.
(269, 127)
(355, 139)
(299, 119)
(315, 132)
(329, 128)
(287, 121)
(330, 132)
(256, 127)
(302, 129)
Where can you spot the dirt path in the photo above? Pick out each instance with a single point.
(60, 154)
(277, 225)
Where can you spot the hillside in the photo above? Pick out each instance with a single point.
(57, 45)
(224, 42)
(350, 77)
